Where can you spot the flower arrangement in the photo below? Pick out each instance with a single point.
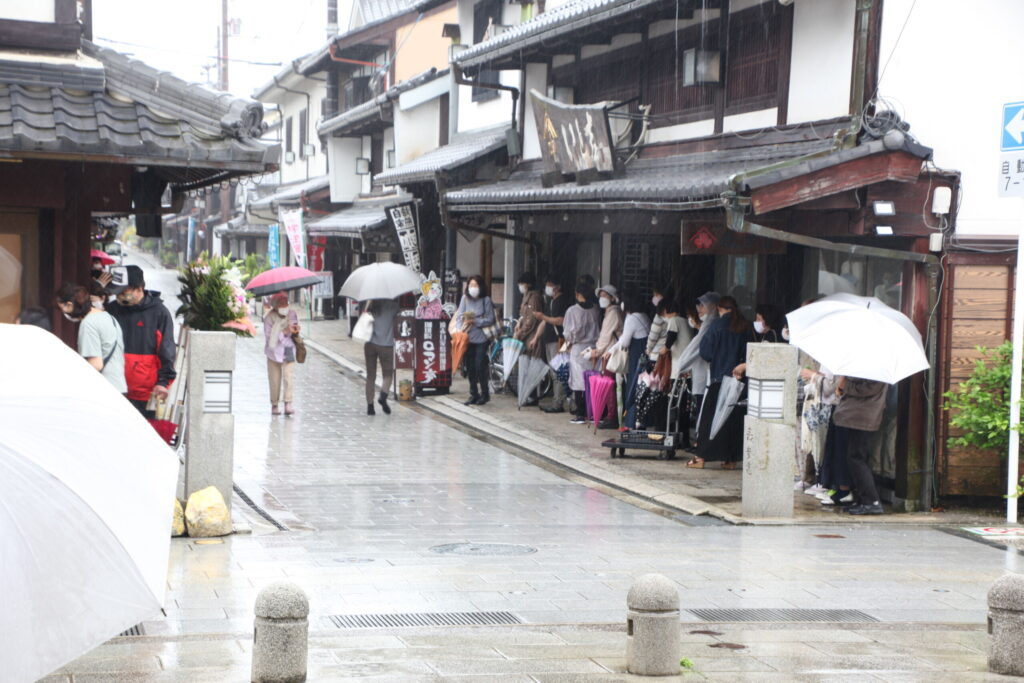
(213, 298)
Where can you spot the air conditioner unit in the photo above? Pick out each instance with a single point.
(289, 157)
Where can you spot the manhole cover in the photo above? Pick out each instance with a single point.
(483, 549)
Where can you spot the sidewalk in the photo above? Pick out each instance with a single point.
(577, 449)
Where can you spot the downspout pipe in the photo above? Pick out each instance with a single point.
(460, 79)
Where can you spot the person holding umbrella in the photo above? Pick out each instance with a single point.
(475, 312)
(380, 348)
(280, 325)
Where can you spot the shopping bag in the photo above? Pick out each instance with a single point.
(363, 330)
(618, 361)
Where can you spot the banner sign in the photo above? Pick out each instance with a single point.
(698, 238)
(433, 354)
(274, 246)
(293, 228)
(405, 340)
(190, 244)
(573, 137)
(403, 218)
(325, 288)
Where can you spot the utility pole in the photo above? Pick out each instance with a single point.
(223, 45)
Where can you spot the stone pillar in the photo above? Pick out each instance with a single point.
(280, 641)
(652, 627)
(1006, 625)
(210, 458)
(769, 431)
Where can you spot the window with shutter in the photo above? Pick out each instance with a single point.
(485, 13)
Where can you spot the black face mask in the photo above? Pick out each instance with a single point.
(95, 273)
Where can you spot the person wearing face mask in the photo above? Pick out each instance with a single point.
(549, 334)
(100, 340)
(768, 324)
(582, 327)
(149, 348)
(475, 312)
(724, 346)
(635, 329)
(280, 325)
(656, 336)
(611, 330)
(700, 318)
(527, 324)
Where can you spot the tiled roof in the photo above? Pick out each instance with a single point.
(681, 178)
(566, 20)
(359, 117)
(317, 60)
(103, 103)
(265, 208)
(374, 11)
(446, 158)
(363, 215)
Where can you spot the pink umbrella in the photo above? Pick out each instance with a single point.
(602, 396)
(103, 256)
(281, 280)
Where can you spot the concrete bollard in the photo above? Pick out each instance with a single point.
(280, 637)
(1006, 625)
(652, 627)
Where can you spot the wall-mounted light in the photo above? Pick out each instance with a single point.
(701, 66)
(884, 208)
(883, 229)
(362, 166)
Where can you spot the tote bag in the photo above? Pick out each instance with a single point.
(363, 331)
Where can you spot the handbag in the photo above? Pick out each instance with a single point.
(663, 371)
(363, 331)
(300, 349)
(618, 361)
(492, 331)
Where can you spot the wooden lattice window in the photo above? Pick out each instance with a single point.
(755, 43)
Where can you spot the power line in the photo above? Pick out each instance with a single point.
(190, 54)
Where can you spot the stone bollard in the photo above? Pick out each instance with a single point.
(1006, 625)
(280, 638)
(652, 627)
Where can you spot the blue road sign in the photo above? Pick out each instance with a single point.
(1012, 132)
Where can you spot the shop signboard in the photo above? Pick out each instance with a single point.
(273, 246)
(325, 288)
(405, 340)
(292, 221)
(574, 138)
(403, 218)
(433, 356)
(713, 238)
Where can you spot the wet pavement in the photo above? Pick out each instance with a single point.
(368, 500)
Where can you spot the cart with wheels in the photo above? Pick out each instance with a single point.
(661, 443)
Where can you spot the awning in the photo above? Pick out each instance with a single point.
(428, 166)
(366, 220)
(377, 112)
(238, 227)
(264, 209)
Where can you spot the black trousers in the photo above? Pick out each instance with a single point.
(858, 459)
(477, 369)
(141, 407)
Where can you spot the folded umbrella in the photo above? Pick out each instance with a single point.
(380, 281)
(728, 397)
(510, 351)
(460, 343)
(85, 523)
(105, 258)
(532, 371)
(602, 396)
(282, 279)
(858, 336)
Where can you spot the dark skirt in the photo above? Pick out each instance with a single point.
(727, 445)
(835, 470)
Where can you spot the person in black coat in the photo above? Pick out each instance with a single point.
(723, 347)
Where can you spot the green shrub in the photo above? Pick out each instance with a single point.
(980, 406)
(211, 297)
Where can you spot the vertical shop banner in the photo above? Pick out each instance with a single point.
(274, 246)
(403, 218)
(190, 240)
(325, 288)
(316, 248)
(293, 228)
(405, 340)
(433, 357)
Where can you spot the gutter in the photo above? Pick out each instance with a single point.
(460, 79)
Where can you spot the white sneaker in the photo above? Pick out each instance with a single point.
(845, 500)
(798, 485)
(815, 490)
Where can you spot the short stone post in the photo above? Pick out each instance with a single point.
(652, 627)
(211, 426)
(769, 430)
(280, 638)
(1006, 625)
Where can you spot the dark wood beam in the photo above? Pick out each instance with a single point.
(35, 35)
(839, 178)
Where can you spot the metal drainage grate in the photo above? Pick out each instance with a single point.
(794, 615)
(424, 619)
(483, 549)
(133, 631)
(260, 511)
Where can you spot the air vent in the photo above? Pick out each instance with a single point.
(746, 614)
(422, 619)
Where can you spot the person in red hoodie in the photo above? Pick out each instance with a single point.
(148, 326)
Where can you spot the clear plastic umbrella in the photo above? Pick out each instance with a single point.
(380, 281)
(510, 350)
(858, 336)
(532, 371)
(728, 397)
(88, 490)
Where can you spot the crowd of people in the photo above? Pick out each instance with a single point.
(699, 342)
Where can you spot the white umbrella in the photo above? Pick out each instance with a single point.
(86, 497)
(858, 336)
(380, 281)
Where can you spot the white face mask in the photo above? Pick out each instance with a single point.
(604, 302)
(693, 325)
(473, 292)
(758, 327)
(655, 300)
(785, 333)
(703, 317)
(282, 311)
(98, 303)
(549, 291)
(67, 316)
(523, 289)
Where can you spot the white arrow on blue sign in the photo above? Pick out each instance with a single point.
(1012, 137)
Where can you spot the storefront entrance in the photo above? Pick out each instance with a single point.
(19, 236)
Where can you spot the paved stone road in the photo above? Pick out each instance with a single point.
(368, 498)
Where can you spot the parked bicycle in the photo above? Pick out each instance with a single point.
(495, 351)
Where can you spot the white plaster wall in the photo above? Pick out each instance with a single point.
(417, 131)
(477, 115)
(951, 73)
(29, 10)
(682, 131)
(290, 105)
(389, 144)
(367, 154)
(820, 70)
(751, 120)
(536, 79)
